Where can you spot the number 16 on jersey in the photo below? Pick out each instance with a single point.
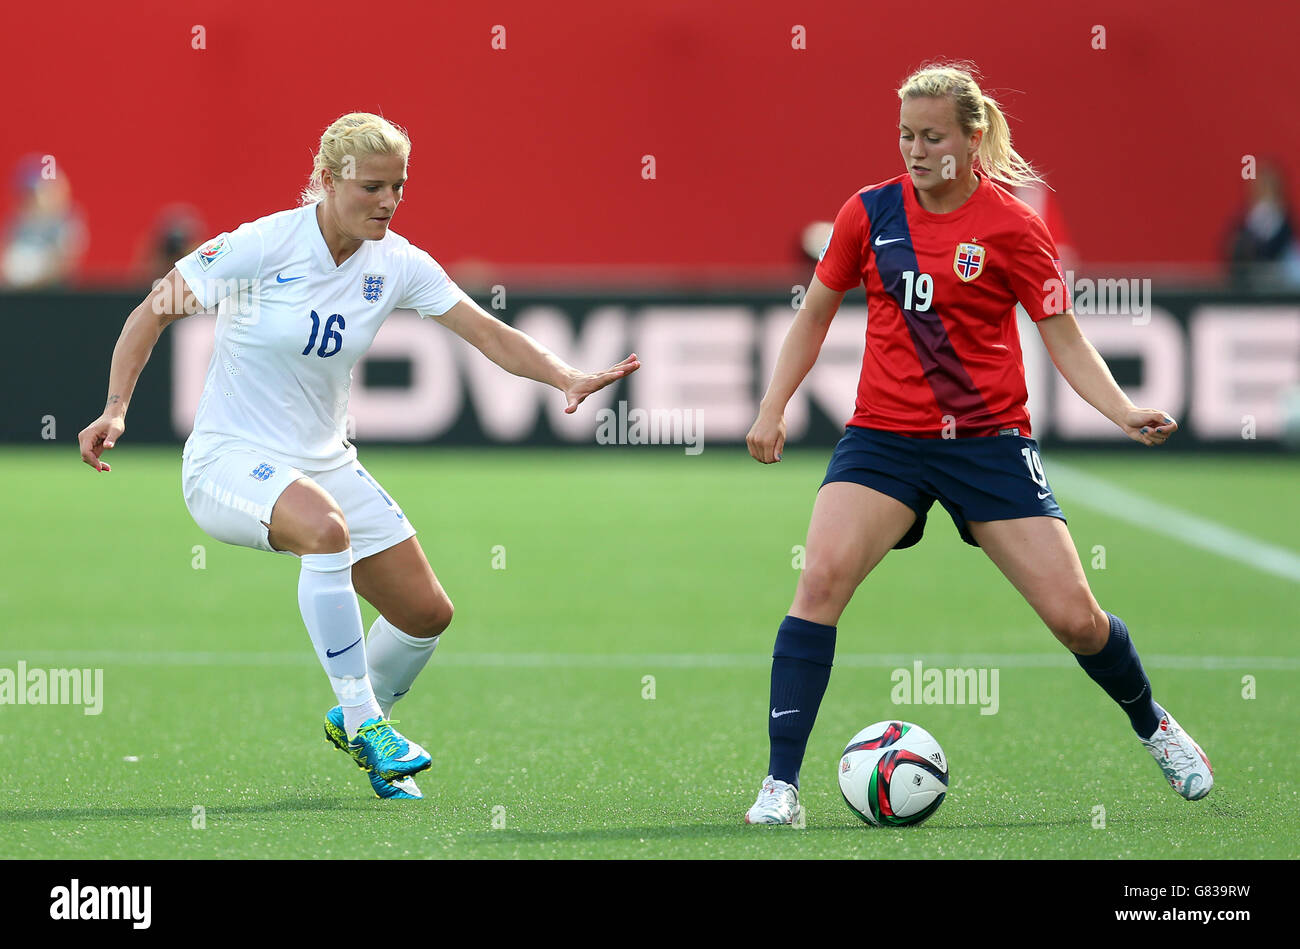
(331, 335)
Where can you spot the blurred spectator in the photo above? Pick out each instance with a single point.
(44, 241)
(1262, 248)
(1048, 207)
(177, 230)
(814, 238)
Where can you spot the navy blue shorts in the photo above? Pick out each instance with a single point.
(996, 478)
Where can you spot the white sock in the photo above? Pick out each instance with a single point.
(358, 701)
(333, 619)
(393, 661)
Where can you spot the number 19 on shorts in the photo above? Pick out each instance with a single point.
(1035, 466)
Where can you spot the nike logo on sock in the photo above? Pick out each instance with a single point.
(398, 695)
(789, 711)
(331, 655)
(1135, 698)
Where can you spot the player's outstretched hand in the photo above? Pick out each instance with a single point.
(1149, 426)
(589, 382)
(99, 436)
(766, 438)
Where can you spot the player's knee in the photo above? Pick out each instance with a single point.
(430, 618)
(440, 618)
(823, 585)
(1077, 630)
(328, 534)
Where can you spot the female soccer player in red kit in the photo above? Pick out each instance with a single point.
(945, 254)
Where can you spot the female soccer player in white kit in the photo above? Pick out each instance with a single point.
(300, 296)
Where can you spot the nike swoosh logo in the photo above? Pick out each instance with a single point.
(1043, 494)
(398, 695)
(331, 655)
(279, 279)
(789, 711)
(881, 242)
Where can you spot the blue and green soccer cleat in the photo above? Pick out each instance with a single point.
(401, 787)
(388, 753)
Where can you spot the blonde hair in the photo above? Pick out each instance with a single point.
(352, 137)
(975, 111)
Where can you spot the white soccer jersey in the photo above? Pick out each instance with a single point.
(290, 327)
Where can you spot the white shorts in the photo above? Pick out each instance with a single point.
(231, 497)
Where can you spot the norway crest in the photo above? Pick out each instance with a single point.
(968, 262)
(372, 286)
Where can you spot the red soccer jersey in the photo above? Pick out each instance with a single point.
(942, 345)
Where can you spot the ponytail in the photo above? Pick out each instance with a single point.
(996, 158)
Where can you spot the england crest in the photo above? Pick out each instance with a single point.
(372, 287)
(968, 262)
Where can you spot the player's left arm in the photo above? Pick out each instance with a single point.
(1088, 375)
(518, 353)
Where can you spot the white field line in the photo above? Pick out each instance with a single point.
(1114, 501)
(76, 658)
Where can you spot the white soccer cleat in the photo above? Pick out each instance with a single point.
(778, 803)
(1181, 759)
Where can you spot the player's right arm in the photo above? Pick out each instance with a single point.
(169, 300)
(839, 266)
(803, 342)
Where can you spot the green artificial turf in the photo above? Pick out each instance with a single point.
(621, 565)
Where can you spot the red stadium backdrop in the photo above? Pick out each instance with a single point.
(533, 155)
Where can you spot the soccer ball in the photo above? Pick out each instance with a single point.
(893, 774)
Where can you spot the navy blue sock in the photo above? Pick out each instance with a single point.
(1118, 670)
(801, 667)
